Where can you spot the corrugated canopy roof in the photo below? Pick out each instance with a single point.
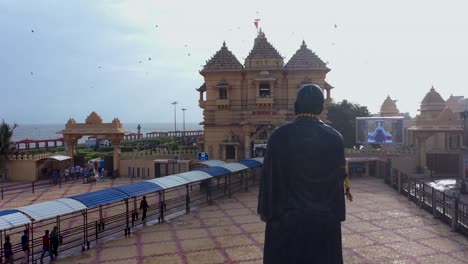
(216, 171)
(233, 167)
(100, 197)
(212, 163)
(139, 188)
(195, 175)
(12, 218)
(259, 159)
(251, 163)
(169, 181)
(51, 209)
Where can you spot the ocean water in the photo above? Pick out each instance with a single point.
(49, 131)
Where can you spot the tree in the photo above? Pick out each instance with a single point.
(6, 134)
(342, 116)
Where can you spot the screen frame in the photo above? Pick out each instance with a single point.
(381, 118)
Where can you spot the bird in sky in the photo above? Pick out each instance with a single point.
(336, 26)
(99, 67)
(139, 62)
(189, 54)
(32, 30)
(149, 58)
(156, 26)
(32, 73)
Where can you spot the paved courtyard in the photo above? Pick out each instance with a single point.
(52, 192)
(382, 227)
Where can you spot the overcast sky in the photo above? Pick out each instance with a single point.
(85, 56)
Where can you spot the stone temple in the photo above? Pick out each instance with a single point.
(243, 103)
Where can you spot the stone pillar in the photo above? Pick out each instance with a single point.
(247, 154)
(116, 139)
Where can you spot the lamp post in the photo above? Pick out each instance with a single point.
(175, 117)
(183, 114)
(183, 124)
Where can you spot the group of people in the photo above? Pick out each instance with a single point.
(91, 173)
(50, 245)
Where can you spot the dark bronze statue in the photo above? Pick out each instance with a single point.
(301, 195)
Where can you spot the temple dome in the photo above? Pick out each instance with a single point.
(389, 107)
(432, 101)
(223, 60)
(263, 55)
(305, 59)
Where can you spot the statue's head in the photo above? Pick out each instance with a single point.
(309, 100)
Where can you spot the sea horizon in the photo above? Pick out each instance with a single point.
(49, 131)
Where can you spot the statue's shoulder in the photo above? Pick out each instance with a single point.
(333, 132)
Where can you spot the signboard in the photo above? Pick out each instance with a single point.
(379, 130)
(202, 155)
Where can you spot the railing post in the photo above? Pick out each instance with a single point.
(2, 192)
(443, 202)
(96, 230)
(434, 204)
(32, 186)
(400, 189)
(454, 225)
(187, 200)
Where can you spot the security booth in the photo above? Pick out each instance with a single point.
(164, 167)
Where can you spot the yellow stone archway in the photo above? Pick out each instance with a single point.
(94, 126)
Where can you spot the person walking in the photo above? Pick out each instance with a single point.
(8, 251)
(301, 196)
(54, 240)
(46, 246)
(25, 246)
(144, 206)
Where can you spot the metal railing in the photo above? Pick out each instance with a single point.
(445, 206)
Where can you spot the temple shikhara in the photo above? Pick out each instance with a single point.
(243, 103)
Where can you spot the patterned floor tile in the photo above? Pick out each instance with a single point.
(244, 253)
(382, 227)
(205, 257)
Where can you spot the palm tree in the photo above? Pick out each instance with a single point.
(6, 133)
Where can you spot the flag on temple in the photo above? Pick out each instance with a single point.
(256, 23)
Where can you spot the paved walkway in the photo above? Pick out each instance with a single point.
(382, 227)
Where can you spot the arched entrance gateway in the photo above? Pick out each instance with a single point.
(94, 126)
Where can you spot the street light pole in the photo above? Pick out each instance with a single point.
(183, 111)
(175, 117)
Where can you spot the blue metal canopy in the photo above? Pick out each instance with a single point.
(100, 197)
(7, 212)
(12, 218)
(251, 163)
(216, 171)
(139, 188)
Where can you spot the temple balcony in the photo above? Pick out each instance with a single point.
(201, 104)
(223, 103)
(264, 100)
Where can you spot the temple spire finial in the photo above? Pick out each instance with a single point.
(304, 45)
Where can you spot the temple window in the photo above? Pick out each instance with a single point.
(264, 90)
(230, 152)
(222, 93)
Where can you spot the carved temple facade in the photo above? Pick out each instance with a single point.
(243, 103)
